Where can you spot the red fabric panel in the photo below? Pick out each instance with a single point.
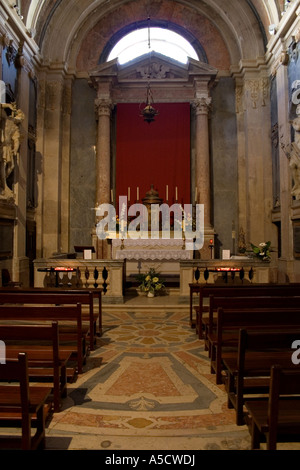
(156, 153)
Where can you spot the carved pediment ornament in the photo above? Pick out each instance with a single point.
(157, 71)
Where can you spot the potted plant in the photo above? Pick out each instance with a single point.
(150, 282)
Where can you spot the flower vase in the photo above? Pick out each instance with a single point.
(150, 294)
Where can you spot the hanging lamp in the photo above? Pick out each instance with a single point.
(149, 112)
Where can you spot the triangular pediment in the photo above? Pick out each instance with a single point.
(156, 67)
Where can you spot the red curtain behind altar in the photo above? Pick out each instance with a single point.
(155, 154)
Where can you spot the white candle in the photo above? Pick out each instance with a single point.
(128, 194)
(167, 193)
(112, 195)
(137, 193)
(176, 194)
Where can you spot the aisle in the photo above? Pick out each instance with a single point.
(147, 386)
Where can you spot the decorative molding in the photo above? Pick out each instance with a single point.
(282, 59)
(239, 93)
(252, 86)
(257, 91)
(265, 89)
(5, 41)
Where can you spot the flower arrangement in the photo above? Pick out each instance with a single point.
(262, 251)
(150, 282)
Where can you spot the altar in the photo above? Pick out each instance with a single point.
(165, 253)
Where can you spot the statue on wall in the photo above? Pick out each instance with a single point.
(292, 151)
(10, 144)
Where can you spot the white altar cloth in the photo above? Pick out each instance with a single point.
(151, 249)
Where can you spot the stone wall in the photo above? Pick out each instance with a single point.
(82, 165)
(224, 165)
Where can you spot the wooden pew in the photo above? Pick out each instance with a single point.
(241, 303)
(60, 297)
(46, 362)
(74, 334)
(21, 406)
(229, 322)
(280, 414)
(203, 291)
(248, 370)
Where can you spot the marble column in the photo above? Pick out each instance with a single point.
(202, 166)
(103, 165)
(202, 178)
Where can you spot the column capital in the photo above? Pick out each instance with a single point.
(103, 106)
(202, 104)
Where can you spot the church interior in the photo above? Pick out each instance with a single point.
(183, 169)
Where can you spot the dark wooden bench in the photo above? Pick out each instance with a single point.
(229, 323)
(248, 370)
(241, 303)
(71, 333)
(277, 418)
(21, 406)
(203, 291)
(46, 362)
(60, 297)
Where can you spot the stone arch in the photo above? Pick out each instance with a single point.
(157, 23)
(236, 30)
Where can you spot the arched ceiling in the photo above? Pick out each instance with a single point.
(73, 33)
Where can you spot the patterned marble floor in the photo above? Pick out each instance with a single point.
(147, 386)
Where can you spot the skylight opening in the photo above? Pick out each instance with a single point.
(163, 41)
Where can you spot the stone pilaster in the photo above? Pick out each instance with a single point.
(254, 154)
(52, 136)
(65, 165)
(20, 266)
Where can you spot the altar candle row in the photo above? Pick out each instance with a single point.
(138, 194)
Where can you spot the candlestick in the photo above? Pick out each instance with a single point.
(176, 194)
